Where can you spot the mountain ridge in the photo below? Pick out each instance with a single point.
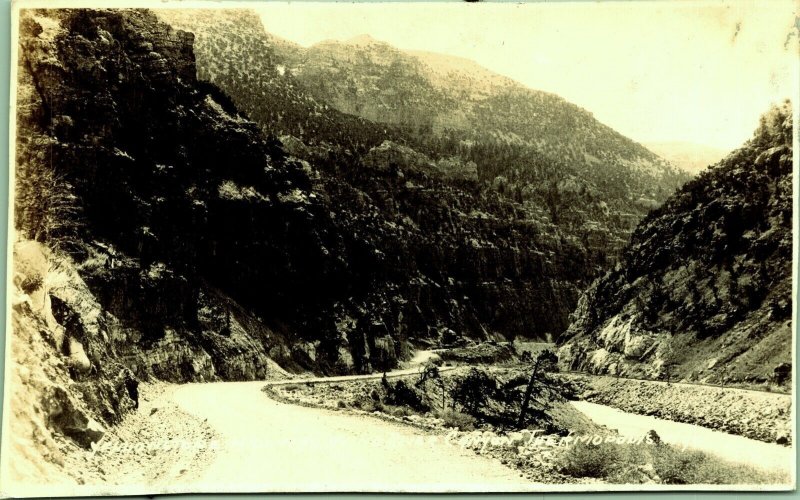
(553, 141)
(590, 204)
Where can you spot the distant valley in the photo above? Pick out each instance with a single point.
(693, 158)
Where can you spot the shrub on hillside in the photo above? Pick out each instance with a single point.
(459, 420)
(31, 283)
(473, 390)
(400, 394)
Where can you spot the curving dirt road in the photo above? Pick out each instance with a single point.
(344, 378)
(264, 445)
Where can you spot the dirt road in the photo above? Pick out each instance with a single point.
(264, 445)
(344, 378)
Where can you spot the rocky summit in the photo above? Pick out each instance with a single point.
(703, 291)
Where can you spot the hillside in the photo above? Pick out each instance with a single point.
(446, 96)
(575, 234)
(213, 253)
(259, 81)
(576, 184)
(703, 290)
(533, 147)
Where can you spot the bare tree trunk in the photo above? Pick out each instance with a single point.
(528, 392)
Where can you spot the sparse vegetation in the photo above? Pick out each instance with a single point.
(484, 352)
(545, 362)
(46, 208)
(648, 461)
(400, 394)
(474, 390)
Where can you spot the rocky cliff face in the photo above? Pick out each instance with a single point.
(233, 52)
(65, 383)
(115, 127)
(703, 291)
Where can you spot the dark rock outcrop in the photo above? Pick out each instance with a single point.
(111, 99)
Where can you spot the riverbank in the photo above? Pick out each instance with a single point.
(763, 416)
(772, 459)
(533, 454)
(590, 453)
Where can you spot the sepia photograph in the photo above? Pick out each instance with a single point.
(400, 247)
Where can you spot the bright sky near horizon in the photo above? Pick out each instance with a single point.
(700, 72)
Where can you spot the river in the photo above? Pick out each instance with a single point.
(772, 457)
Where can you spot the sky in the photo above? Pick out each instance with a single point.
(684, 71)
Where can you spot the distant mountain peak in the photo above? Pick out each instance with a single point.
(362, 39)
